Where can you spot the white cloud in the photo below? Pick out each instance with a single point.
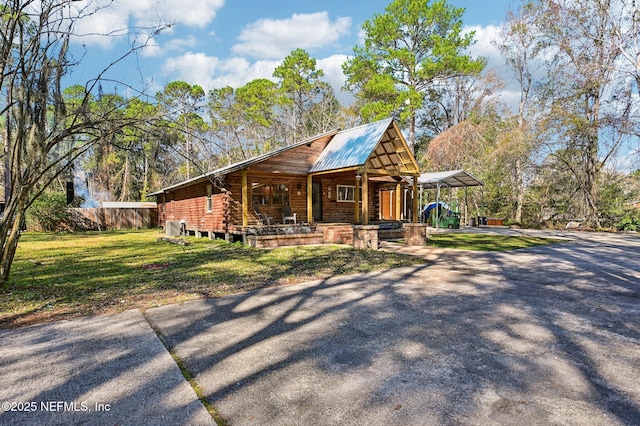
(188, 12)
(271, 41)
(627, 160)
(510, 96)
(151, 49)
(362, 36)
(155, 49)
(332, 67)
(104, 22)
(180, 43)
(101, 29)
(212, 72)
(484, 37)
(269, 38)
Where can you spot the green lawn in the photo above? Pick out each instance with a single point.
(61, 275)
(486, 242)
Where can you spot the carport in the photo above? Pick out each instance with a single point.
(449, 179)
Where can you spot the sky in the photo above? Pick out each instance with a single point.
(217, 43)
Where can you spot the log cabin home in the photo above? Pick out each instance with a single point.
(360, 176)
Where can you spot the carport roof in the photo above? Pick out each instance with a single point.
(454, 179)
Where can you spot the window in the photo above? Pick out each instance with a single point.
(270, 194)
(346, 193)
(209, 199)
(280, 194)
(261, 194)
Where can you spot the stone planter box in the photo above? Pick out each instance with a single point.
(272, 241)
(338, 234)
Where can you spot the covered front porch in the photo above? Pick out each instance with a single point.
(364, 177)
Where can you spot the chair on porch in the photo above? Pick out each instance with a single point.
(263, 218)
(286, 215)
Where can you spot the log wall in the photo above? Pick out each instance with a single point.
(344, 211)
(189, 203)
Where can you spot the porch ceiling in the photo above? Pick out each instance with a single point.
(392, 155)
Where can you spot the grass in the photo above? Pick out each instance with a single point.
(58, 276)
(485, 242)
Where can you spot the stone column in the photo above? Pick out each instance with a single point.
(365, 237)
(415, 234)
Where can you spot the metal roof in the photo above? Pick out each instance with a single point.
(455, 179)
(242, 164)
(352, 147)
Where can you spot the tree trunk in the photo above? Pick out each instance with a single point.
(125, 179)
(590, 159)
(412, 133)
(10, 234)
(591, 174)
(9, 252)
(519, 190)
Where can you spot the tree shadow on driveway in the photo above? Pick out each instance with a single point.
(543, 335)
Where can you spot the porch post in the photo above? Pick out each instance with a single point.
(309, 199)
(398, 201)
(420, 205)
(414, 204)
(245, 199)
(365, 198)
(466, 205)
(437, 209)
(356, 197)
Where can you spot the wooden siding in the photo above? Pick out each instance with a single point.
(290, 167)
(297, 194)
(296, 161)
(344, 211)
(189, 203)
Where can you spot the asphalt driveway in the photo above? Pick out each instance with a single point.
(548, 335)
(102, 370)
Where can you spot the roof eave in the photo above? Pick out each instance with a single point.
(223, 171)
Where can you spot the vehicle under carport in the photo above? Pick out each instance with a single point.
(451, 179)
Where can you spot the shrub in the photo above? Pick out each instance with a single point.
(50, 212)
(630, 221)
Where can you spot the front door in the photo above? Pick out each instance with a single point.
(388, 204)
(316, 199)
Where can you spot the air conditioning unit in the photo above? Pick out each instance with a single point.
(172, 228)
